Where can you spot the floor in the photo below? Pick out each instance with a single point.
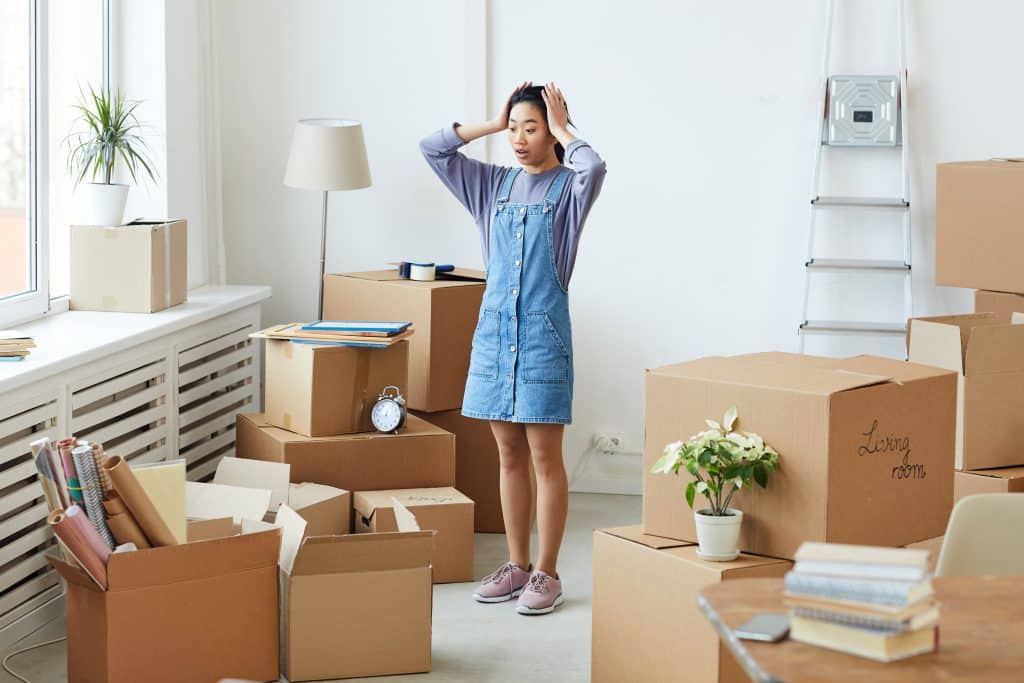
(472, 641)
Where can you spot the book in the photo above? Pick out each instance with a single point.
(858, 591)
(835, 559)
(878, 645)
(358, 327)
(859, 608)
(294, 332)
(923, 619)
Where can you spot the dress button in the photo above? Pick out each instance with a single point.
(522, 210)
(515, 292)
(511, 376)
(512, 349)
(513, 318)
(519, 235)
(518, 262)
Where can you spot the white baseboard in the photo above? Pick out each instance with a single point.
(599, 473)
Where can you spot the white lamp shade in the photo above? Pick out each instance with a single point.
(328, 154)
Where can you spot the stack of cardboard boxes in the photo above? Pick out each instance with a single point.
(866, 452)
(979, 212)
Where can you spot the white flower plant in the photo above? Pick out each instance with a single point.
(720, 458)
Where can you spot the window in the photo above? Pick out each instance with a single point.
(48, 49)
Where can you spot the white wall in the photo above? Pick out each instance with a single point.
(705, 113)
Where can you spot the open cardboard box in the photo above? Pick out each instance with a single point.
(998, 480)
(1003, 304)
(325, 390)
(866, 447)
(198, 611)
(444, 510)
(986, 350)
(356, 605)
(419, 455)
(253, 489)
(646, 625)
(443, 312)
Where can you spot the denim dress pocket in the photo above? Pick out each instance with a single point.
(483, 361)
(544, 357)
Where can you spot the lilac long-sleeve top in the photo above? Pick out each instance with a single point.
(476, 184)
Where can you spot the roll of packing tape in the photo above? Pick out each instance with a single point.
(424, 272)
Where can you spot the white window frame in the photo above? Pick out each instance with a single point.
(36, 303)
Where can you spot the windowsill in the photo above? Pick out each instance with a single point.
(74, 338)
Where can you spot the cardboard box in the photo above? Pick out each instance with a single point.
(194, 612)
(1000, 480)
(443, 312)
(419, 456)
(477, 467)
(979, 225)
(444, 510)
(326, 390)
(987, 352)
(141, 267)
(1003, 304)
(646, 624)
(356, 605)
(866, 447)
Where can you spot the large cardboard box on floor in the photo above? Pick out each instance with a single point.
(999, 480)
(198, 611)
(866, 447)
(979, 225)
(646, 624)
(477, 467)
(141, 267)
(421, 455)
(326, 390)
(1003, 304)
(356, 605)
(444, 510)
(987, 352)
(443, 312)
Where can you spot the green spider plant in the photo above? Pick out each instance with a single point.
(107, 129)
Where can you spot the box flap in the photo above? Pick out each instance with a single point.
(210, 501)
(72, 574)
(364, 552)
(442, 495)
(1011, 473)
(206, 529)
(365, 503)
(973, 343)
(995, 348)
(454, 278)
(636, 535)
(293, 528)
(256, 474)
(307, 493)
(414, 426)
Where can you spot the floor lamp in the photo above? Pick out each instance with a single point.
(327, 154)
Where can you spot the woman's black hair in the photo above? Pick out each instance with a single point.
(532, 95)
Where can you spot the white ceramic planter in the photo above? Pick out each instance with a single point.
(718, 537)
(103, 204)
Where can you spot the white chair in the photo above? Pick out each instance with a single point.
(984, 537)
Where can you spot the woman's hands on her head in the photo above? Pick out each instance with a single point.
(558, 114)
(501, 121)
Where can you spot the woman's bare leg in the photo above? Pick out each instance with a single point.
(545, 441)
(514, 481)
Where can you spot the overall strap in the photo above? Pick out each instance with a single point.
(506, 184)
(557, 184)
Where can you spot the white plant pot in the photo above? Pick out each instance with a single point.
(103, 204)
(718, 537)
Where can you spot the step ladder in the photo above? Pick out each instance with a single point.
(860, 111)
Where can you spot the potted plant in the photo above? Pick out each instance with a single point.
(722, 460)
(106, 131)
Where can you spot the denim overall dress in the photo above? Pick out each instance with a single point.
(521, 369)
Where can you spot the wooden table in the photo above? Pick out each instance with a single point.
(981, 636)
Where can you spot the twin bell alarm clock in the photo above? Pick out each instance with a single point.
(388, 413)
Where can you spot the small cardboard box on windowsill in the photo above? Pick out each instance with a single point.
(141, 267)
(355, 605)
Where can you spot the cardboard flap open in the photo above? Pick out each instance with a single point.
(635, 534)
(364, 552)
(256, 474)
(210, 501)
(937, 342)
(997, 348)
(71, 574)
(293, 528)
(307, 493)
(364, 503)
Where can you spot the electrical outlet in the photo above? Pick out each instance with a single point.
(609, 442)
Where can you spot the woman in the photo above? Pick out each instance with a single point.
(521, 370)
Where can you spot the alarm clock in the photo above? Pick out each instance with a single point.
(388, 413)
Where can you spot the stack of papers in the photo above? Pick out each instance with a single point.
(14, 345)
(373, 334)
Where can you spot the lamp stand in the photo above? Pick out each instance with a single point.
(323, 252)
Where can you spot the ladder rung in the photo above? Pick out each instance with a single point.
(862, 202)
(852, 327)
(858, 264)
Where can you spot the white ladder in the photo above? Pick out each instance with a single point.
(830, 88)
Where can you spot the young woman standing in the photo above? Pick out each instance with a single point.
(521, 367)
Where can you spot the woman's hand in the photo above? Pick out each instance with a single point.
(500, 123)
(558, 114)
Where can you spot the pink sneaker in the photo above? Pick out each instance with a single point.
(541, 595)
(505, 583)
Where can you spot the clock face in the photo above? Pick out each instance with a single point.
(386, 415)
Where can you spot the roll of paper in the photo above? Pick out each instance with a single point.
(92, 492)
(64, 449)
(137, 502)
(80, 537)
(121, 523)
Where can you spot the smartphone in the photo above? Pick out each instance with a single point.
(770, 628)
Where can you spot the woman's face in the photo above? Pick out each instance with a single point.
(528, 134)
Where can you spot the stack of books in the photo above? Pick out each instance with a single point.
(872, 602)
(359, 333)
(14, 345)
